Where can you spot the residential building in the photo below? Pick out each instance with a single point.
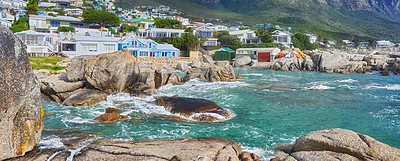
(185, 21)
(89, 43)
(159, 32)
(219, 28)
(208, 33)
(384, 44)
(259, 54)
(330, 44)
(38, 44)
(146, 47)
(63, 3)
(76, 3)
(142, 23)
(313, 38)
(350, 43)
(6, 19)
(264, 25)
(364, 44)
(75, 11)
(246, 36)
(283, 38)
(50, 23)
(47, 4)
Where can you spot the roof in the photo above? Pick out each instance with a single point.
(257, 49)
(166, 47)
(141, 20)
(167, 30)
(228, 49)
(61, 18)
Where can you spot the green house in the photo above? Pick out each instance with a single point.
(224, 54)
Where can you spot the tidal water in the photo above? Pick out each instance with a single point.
(269, 107)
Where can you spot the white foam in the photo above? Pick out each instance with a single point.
(252, 74)
(347, 81)
(390, 87)
(51, 142)
(319, 87)
(264, 154)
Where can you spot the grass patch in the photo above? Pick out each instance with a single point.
(49, 63)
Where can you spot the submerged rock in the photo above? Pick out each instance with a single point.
(21, 113)
(111, 115)
(341, 144)
(197, 109)
(85, 98)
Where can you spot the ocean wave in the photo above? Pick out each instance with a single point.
(252, 74)
(319, 87)
(52, 143)
(263, 153)
(390, 87)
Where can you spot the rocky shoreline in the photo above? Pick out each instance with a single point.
(89, 79)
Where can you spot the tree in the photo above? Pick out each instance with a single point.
(264, 35)
(66, 29)
(32, 7)
(168, 23)
(189, 42)
(102, 18)
(271, 29)
(303, 42)
(20, 25)
(229, 40)
(103, 7)
(127, 28)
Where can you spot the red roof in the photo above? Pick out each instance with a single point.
(180, 17)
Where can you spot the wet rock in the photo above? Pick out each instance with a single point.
(345, 142)
(396, 66)
(197, 109)
(196, 73)
(242, 61)
(221, 74)
(85, 98)
(174, 79)
(141, 90)
(21, 113)
(239, 77)
(247, 156)
(164, 149)
(110, 72)
(284, 147)
(161, 77)
(111, 115)
(385, 73)
(58, 87)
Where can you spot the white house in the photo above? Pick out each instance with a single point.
(159, 32)
(38, 44)
(208, 33)
(50, 23)
(259, 54)
(246, 36)
(384, 44)
(185, 21)
(73, 11)
(283, 38)
(313, 38)
(89, 43)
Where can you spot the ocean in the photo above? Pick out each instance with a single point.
(268, 107)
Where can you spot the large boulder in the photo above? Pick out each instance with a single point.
(197, 109)
(377, 61)
(293, 64)
(85, 98)
(396, 66)
(341, 144)
(196, 64)
(110, 72)
(147, 77)
(21, 113)
(222, 73)
(161, 77)
(242, 61)
(58, 87)
(207, 59)
(110, 115)
(193, 74)
(174, 79)
(163, 150)
(183, 66)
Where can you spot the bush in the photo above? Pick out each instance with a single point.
(66, 29)
(259, 45)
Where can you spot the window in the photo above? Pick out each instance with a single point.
(143, 53)
(55, 23)
(174, 54)
(109, 47)
(89, 47)
(164, 54)
(152, 54)
(68, 47)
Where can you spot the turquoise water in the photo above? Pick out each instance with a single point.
(269, 107)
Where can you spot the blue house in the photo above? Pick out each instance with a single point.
(146, 47)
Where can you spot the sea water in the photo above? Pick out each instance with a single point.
(268, 107)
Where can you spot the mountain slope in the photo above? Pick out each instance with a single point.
(333, 18)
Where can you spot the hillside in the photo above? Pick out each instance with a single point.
(331, 18)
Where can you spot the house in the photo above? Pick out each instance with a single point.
(38, 44)
(142, 23)
(208, 33)
(47, 4)
(384, 44)
(184, 21)
(364, 44)
(283, 38)
(146, 47)
(6, 19)
(89, 43)
(76, 3)
(224, 54)
(313, 38)
(246, 36)
(264, 25)
(259, 54)
(63, 3)
(159, 32)
(350, 43)
(219, 28)
(75, 11)
(50, 24)
(330, 44)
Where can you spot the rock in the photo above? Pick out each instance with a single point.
(195, 73)
(173, 79)
(110, 72)
(221, 74)
(322, 155)
(147, 77)
(42, 72)
(161, 77)
(58, 88)
(378, 62)
(21, 112)
(197, 109)
(275, 159)
(239, 77)
(141, 90)
(284, 147)
(183, 66)
(164, 149)
(85, 98)
(208, 59)
(242, 61)
(347, 142)
(247, 156)
(293, 64)
(330, 62)
(196, 64)
(357, 58)
(385, 73)
(111, 115)
(396, 66)
(222, 63)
